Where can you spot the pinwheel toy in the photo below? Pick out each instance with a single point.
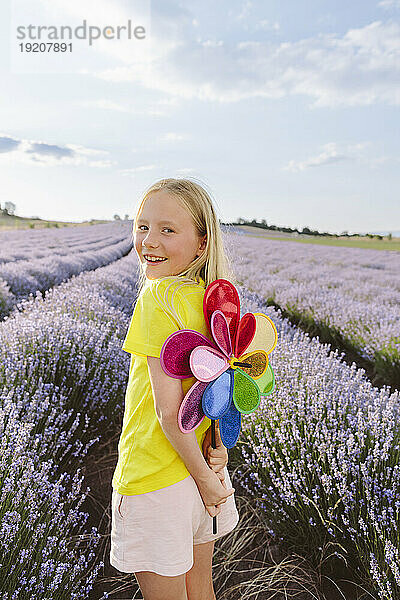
(232, 369)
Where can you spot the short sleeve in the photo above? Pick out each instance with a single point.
(151, 323)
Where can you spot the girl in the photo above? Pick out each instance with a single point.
(168, 485)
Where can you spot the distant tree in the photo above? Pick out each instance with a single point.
(10, 208)
(305, 230)
(389, 237)
(344, 233)
(117, 218)
(126, 218)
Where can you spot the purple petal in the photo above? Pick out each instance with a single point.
(190, 413)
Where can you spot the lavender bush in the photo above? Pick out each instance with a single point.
(43, 552)
(322, 457)
(348, 295)
(61, 358)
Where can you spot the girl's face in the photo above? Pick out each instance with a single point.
(165, 230)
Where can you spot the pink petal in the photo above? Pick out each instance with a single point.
(220, 332)
(207, 363)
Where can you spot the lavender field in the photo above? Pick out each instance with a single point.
(63, 377)
(36, 260)
(348, 296)
(320, 455)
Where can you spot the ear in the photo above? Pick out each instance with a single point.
(202, 245)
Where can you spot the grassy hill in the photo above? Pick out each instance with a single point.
(353, 242)
(15, 222)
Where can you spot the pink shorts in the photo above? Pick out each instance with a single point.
(156, 531)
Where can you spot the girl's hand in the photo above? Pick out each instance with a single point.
(217, 458)
(213, 493)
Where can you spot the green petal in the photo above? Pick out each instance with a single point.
(246, 394)
(266, 383)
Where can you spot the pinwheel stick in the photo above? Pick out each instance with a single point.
(214, 445)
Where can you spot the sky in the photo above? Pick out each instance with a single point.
(284, 111)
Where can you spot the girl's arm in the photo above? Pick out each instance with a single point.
(168, 395)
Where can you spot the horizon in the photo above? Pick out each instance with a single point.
(394, 233)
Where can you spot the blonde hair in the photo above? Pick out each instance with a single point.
(213, 262)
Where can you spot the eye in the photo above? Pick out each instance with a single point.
(140, 227)
(169, 229)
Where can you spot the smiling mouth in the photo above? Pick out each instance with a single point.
(154, 260)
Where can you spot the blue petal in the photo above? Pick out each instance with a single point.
(229, 426)
(218, 395)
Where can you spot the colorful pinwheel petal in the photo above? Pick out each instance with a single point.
(266, 383)
(190, 413)
(207, 363)
(246, 394)
(175, 352)
(217, 396)
(229, 426)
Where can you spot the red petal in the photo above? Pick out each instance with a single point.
(222, 295)
(245, 333)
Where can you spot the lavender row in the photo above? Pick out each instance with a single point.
(61, 358)
(33, 244)
(347, 293)
(321, 454)
(23, 277)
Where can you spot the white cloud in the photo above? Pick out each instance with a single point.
(267, 25)
(328, 156)
(172, 137)
(331, 154)
(359, 68)
(186, 171)
(245, 10)
(134, 170)
(104, 104)
(389, 4)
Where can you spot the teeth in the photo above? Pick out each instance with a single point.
(153, 259)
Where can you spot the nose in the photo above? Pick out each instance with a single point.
(149, 241)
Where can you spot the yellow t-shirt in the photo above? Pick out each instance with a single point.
(147, 461)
